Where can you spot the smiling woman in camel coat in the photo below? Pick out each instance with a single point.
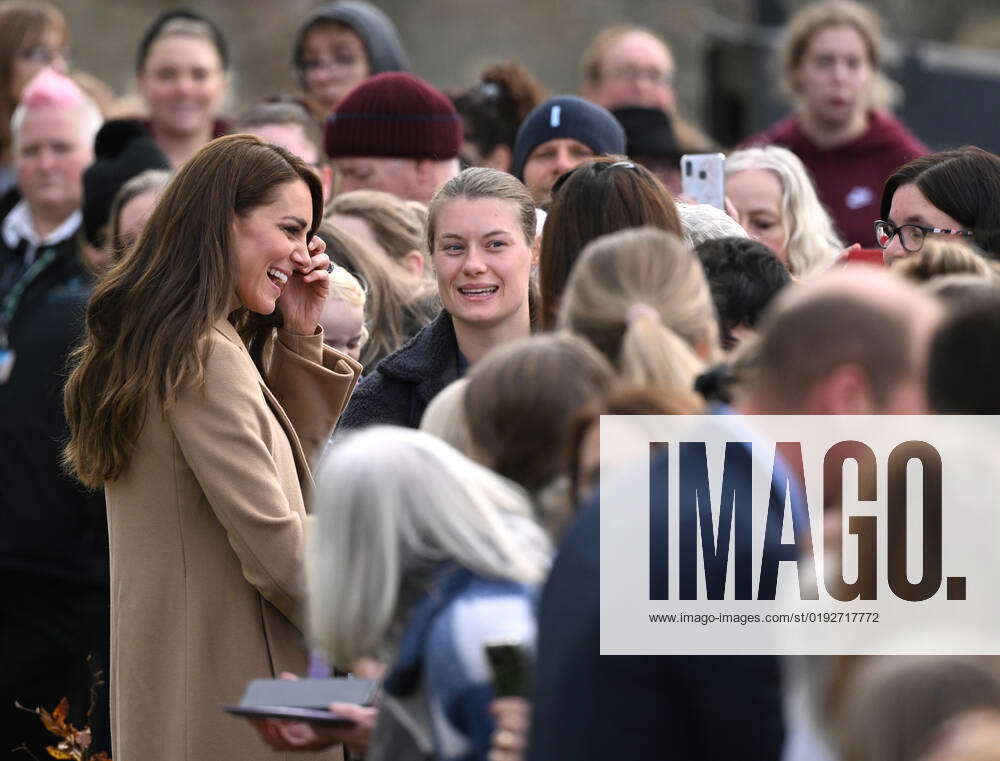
(204, 459)
(207, 522)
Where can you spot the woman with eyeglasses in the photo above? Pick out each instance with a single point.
(33, 35)
(339, 46)
(952, 193)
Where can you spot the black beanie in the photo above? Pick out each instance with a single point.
(648, 132)
(122, 149)
(567, 117)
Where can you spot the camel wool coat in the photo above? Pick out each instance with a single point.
(206, 539)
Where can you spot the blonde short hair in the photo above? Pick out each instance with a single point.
(346, 288)
(940, 257)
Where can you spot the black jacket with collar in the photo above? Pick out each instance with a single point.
(52, 525)
(401, 386)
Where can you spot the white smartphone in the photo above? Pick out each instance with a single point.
(703, 178)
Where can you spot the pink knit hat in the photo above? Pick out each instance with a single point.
(394, 114)
(50, 88)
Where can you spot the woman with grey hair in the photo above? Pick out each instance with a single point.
(702, 222)
(420, 558)
(777, 205)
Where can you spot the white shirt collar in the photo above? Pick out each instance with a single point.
(18, 225)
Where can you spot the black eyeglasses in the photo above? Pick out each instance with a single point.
(338, 61)
(911, 237)
(637, 74)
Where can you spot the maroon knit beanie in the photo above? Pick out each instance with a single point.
(394, 114)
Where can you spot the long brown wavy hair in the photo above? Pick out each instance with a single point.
(601, 196)
(147, 317)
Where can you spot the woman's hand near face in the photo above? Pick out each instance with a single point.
(305, 294)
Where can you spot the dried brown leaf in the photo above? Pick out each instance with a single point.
(55, 722)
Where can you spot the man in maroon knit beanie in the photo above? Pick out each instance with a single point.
(396, 133)
(830, 66)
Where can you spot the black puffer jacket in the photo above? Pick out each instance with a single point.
(401, 386)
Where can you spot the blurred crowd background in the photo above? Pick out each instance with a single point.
(499, 289)
(945, 54)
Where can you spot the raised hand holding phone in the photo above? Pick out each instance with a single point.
(703, 178)
(510, 663)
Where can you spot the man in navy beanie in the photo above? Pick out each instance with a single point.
(396, 133)
(559, 135)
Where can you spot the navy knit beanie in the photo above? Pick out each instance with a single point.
(567, 117)
(394, 114)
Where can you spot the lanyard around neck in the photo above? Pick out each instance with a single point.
(13, 298)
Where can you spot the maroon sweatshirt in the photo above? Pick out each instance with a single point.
(849, 177)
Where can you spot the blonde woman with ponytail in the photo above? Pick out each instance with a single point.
(640, 297)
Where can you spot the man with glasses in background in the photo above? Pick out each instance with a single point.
(629, 65)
